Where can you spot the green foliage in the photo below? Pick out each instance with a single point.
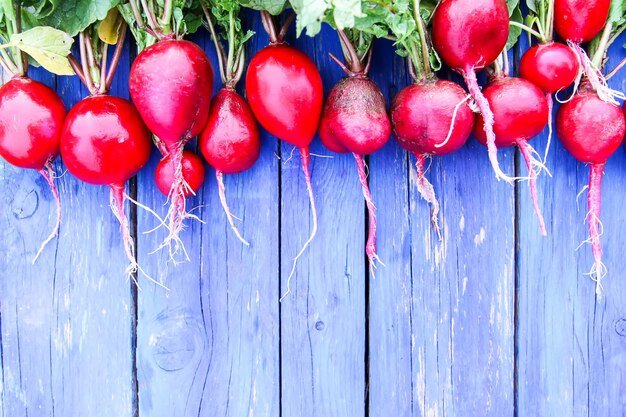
(74, 16)
(274, 7)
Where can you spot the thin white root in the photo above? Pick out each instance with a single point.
(451, 129)
(48, 173)
(545, 154)
(229, 216)
(427, 191)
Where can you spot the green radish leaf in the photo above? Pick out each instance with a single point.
(514, 31)
(8, 10)
(74, 16)
(532, 5)
(512, 5)
(274, 7)
(48, 46)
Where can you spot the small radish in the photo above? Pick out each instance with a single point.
(285, 92)
(192, 170)
(230, 141)
(469, 35)
(171, 83)
(104, 141)
(551, 66)
(355, 120)
(591, 129)
(431, 117)
(520, 113)
(31, 119)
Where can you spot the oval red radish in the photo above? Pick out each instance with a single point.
(230, 142)
(579, 21)
(31, 119)
(520, 113)
(550, 66)
(469, 35)
(432, 117)
(171, 83)
(592, 129)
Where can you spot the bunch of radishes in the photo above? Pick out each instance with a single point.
(106, 140)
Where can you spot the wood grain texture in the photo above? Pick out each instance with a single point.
(209, 344)
(323, 318)
(572, 344)
(66, 325)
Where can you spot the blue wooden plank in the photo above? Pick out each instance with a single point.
(441, 312)
(209, 345)
(572, 344)
(66, 330)
(323, 317)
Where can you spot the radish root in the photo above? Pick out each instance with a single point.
(370, 246)
(306, 157)
(487, 114)
(48, 173)
(451, 129)
(549, 102)
(222, 193)
(533, 166)
(595, 77)
(427, 192)
(594, 200)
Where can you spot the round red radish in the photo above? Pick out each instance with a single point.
(230, 141)
(519, 108)
(355, 118)
(328, 139)
(580, 21)
(592, 129)
(31, 119)
(285, 92)
(550, 66)
(520, 113)
(470, 34)
(193, 173)
(104, 141)
(355, 115)
(171, 83)
(422, 115)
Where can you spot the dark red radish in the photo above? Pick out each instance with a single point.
(520, 113)
(171, 83)
(31, 119)
(469, 35)
(355, 119)
(579, 21)
(592, 129)
(104, 141)
(285, 92)
(192, 170)
(431, 117)
(230, 142)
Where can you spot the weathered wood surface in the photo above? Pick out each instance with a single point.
(492, 320)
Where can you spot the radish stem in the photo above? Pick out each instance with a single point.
(222, 193)
(305, 154)
(527, 151)
(370, 246)
(427, 191)
(48, 173)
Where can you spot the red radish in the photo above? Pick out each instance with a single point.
(230, 142)
(469, 35)
(285, 92)
(355, 119)
(171, 84)
(431, 117)
(192, 169)
(104, 141)
(520, 113)
(31, 119)
(551, 66)
(591, 129)
(577, 22)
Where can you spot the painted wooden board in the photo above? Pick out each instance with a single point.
(209, 345)
(571, 343)
(67, 324)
